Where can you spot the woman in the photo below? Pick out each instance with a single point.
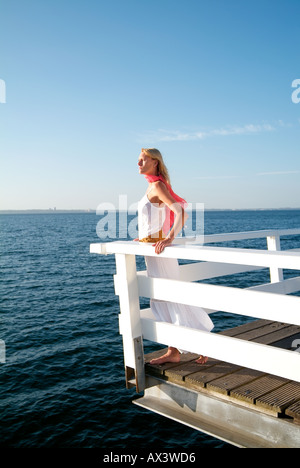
(161, 218)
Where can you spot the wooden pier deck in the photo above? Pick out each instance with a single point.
(263, 392)
(260, 392)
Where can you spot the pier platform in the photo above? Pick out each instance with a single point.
(241, 406)
(248, 393)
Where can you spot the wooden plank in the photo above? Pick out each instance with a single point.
(261, 335)
(281, 398)
(233, 332)
(162, 368)
(282, 333)
(256, 389)
(155, 354)
(229, 382)
(129, 375)
(154, 370)
(294, 412)
(290, 342)
(208, 373)
(179, 373)
(266, 332)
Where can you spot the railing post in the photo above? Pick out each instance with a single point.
(276, 274)
(126, 286)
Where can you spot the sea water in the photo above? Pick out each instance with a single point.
(62, 383)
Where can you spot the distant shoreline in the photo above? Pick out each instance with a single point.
(92, 211)
(49, 211)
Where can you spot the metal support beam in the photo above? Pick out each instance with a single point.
(224, 420)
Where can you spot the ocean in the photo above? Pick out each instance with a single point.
(62, 385)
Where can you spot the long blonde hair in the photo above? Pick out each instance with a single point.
(155, 154)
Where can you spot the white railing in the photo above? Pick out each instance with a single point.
(268, 301)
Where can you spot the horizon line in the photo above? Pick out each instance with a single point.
(93, 210)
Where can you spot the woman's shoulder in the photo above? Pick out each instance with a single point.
(159, 185)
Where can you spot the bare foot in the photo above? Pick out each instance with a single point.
(172, 355)
(202, 360)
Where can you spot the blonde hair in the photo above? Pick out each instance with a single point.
(155, 154)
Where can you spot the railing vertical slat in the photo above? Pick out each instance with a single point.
(130, 319)
(276, 274)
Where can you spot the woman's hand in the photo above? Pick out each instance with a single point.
(160, 245)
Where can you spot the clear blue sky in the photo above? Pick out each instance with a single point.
(208, 82)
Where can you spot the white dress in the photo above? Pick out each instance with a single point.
(151, 219)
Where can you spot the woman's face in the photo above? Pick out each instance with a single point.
(147, 165)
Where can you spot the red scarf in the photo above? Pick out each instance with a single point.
(169, 213)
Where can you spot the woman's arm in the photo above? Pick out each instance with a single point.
(161, 191)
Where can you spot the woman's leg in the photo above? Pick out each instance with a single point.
(174, 313)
